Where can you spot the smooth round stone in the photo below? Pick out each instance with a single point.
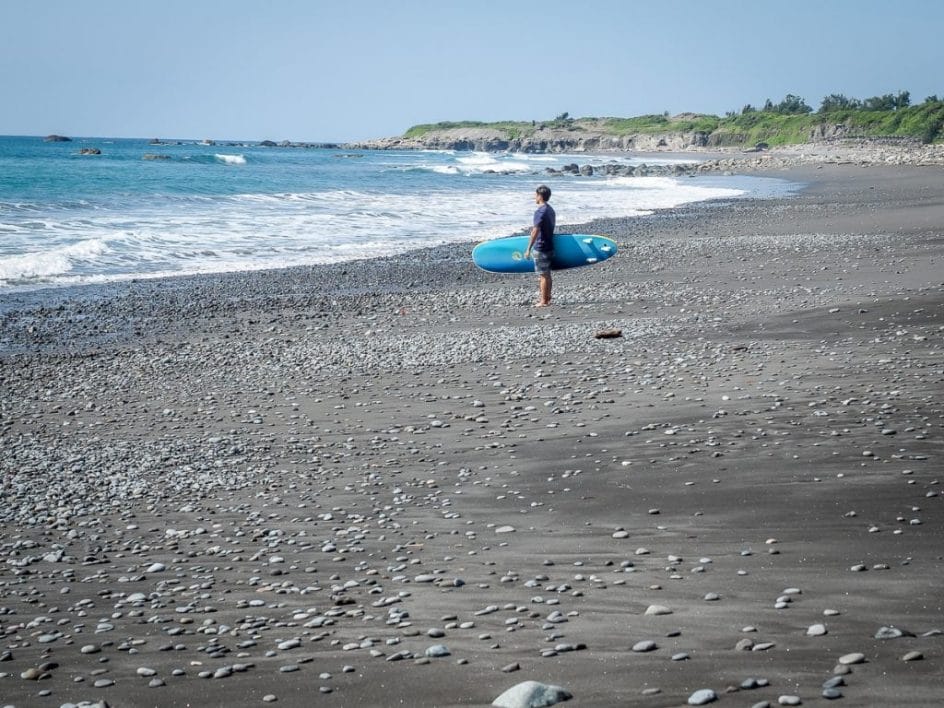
(712, 597)
(156, 683)
(104, 683)
(702, 697)
(913, 656)
(831, 694)
(643, 646)
(436, 651)
(145, 671)
(889, 633)
(621, 534)
(435, 633)
(816, 630)
(269, 698)
(853, 658)
(834, 682)
(156, 568)
(658, 610)
(90, 649)
(288, 668)
(289, 644)
(789, 701)
(532, 693)
(680, 656)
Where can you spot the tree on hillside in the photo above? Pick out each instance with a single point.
(838, 102)
(792, 105)
(932, 99)
(888, 102)
(748, 108)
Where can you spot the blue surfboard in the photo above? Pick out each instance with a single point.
(506, 255)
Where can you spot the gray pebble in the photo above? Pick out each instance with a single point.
(702, 697)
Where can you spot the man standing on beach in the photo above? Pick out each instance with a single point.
(541, 245)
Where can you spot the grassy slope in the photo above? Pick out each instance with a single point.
(924, 122)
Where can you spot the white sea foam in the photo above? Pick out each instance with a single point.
(253, 231)
(385, 204)
(53, 262)
(231, 159)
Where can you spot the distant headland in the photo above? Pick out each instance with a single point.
(888, 118)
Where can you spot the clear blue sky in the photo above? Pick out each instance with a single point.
(326, 70)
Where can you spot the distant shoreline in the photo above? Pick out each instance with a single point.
(837, 150)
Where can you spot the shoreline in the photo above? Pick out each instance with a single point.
(774, 162)
(392, 481)
(119, 303)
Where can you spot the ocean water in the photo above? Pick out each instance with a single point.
(67, 218)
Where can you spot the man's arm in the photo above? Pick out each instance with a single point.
(535, 230)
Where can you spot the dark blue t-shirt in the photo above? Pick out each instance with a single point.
(545, 219)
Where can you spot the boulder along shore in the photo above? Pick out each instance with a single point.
(393, 482)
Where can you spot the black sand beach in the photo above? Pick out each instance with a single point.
(394, 483)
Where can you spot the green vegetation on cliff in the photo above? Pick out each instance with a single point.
(789, 122)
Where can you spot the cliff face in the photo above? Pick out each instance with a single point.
(587, 138)
(541, 141)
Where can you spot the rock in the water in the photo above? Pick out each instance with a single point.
(532, 694)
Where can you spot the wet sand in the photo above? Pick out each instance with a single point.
(289, 487)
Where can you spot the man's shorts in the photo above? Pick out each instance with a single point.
(542, 261)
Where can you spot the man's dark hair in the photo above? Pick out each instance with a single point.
(544, 192)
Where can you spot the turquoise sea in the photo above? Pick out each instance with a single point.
(143, 210)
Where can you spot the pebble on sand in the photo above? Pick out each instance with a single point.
(532, 694)
(853, 658)
(702, 697)
(658, 610)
